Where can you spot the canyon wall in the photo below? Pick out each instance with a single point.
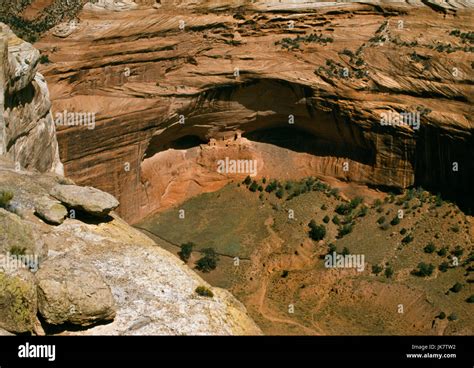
(170, 89)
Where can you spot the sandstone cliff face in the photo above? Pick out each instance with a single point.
(27, 130)
(163, 81)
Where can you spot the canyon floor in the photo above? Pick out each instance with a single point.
(268, 261)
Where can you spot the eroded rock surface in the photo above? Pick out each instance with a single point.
(231, 68)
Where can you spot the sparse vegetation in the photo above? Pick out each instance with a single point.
(316, 232)
(5, 197)
(204, 291)
(429, 248)
(423, 270)
(208, 262)
(376, 269)
(186, 250)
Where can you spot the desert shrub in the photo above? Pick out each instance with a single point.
(247, 180)
(443, 267)
(455, 228)
(423, 270)
(253, 187)
(456, 288)
(208, 262)
(363, 211)
(344, 230)
(284, 274)
(388, 272)
(458, 251)
(452, 317)
(331, 248)
(44, 59)
(326, 219)
(438, 200)
(271, 186)
(442, 315)
(376, 269)
(280, 193)
(186, 250)
(345, 251)
(5, 197)
(377, 203)
(260, 188)
(470, 299)
(336, 220)
(17, 251)
(316, 232)
(407, 239)
(204, 291)
(442, 252)
(324, 207)
(403, 231)
(343, 209)
(381, 220)
(395, 221)
(429, 248)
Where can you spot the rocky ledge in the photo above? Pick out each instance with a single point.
(93, 273)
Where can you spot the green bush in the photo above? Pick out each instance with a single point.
(407, 239)
(452, 317)
(336, 220)
(208, 262)
(316, 232)
(458, 251)
(247, 180)
(389, 272)
(443, 267)
(345, 251)
(253, 187)
(284, 274)
(442, 252)
(326, 219)
(44, 59)
(381, 220)
(186, 250)
(344, 230)
(280, 193)
(5, 197)
(470, 299)
(423, 270)
(204, 291)
(17, 251)
(442, 315)
(395, 221)
(456, 288)
(430, 248)
(376, 269)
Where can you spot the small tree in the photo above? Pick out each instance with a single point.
(423, 270)
(316, 232)
(326, 219)
(376, 269)
(254, 186)
(247, 180)
(388, 272)
(430, 248)
(395, 221)
(186, 250)
(456, 288)
(208, 262)
(280, 193)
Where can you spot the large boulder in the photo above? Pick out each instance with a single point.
(70, 291)
(88, 199)
(50, 210)
(18, 300)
